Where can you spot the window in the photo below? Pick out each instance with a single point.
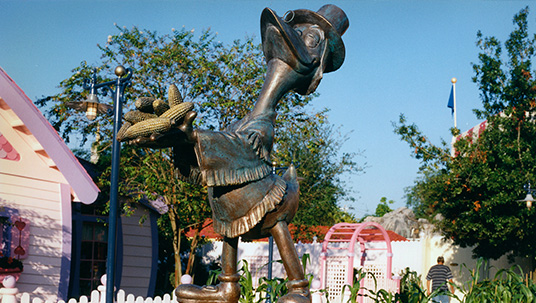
(14, 233)
(90, 249)
(92, 255)
(4, 236)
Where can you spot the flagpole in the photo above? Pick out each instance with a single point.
(453, 80)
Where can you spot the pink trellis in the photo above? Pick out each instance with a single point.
(339, 253)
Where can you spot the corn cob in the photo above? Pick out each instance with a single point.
(122, 130)
(178, 111)
(144, 104)
(160, 107)
(137, 116)
(174, 95)
(148, 127)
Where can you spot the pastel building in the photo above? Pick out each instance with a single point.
(47, 217)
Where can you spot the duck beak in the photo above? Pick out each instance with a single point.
(281, 41)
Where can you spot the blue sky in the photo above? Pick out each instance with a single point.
(400, 57)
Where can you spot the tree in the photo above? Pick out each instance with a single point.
(475, 190)
(383, 207)
(222, 81)
(313, 146)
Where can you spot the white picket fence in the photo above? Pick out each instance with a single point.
(10, 293)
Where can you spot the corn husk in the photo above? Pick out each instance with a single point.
(136, 116)
(178, 112)
(144, 104)
(160, 107)
(148, 127)
(174, 95)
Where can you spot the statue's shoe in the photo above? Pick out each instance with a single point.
(227, 291)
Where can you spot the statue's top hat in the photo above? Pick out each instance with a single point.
(329, 17)
(333, 21)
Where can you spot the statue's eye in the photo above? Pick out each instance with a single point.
(313, 37)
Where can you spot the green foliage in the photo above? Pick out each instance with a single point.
(430, 155)
(475, 189)
(355, 288)
(313, 146)
(275, 287)
(10, 263)
(411, 288)
(508, 285)
(383, 207)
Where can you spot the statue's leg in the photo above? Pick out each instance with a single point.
(297, 285)
(229, 258)
(227, 291)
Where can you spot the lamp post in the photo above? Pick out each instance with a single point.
(528, 198)
(92, 107)
(270, 252)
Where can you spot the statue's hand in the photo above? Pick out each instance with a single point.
(187, 128)
(176, 136)
(159, 124)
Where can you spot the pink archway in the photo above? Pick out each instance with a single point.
(345, 237)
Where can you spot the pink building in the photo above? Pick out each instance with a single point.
(45, 190)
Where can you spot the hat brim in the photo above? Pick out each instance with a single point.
(335, 43)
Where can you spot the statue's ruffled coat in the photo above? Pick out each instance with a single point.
(235, 165)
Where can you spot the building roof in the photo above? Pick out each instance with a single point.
(370, 234)
(23, 122)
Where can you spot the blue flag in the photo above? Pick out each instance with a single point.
(451, 100)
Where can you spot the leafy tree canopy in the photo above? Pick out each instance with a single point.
(475, 187)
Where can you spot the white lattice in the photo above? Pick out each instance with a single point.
(378, 270)
(378, 282)
(335, 276)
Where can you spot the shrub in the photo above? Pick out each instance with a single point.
(10, 263)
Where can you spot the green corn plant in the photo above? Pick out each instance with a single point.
(247, 291)
(411, 288)
(213, 276)
(380, 295)
(383, 296)
(275, 287)
(471, 289)
(355, 288)
(508, 285)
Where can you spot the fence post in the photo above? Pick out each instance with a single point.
(316, 295)
(102, 291)
(9, 291)
(186, 279)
